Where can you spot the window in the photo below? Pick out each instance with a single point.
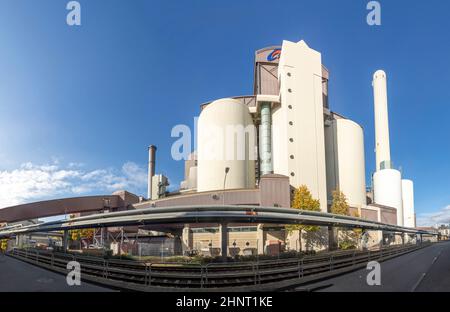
(211, 230)
(242, 229)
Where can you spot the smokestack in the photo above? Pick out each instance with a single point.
(382, 145)
(151, 168)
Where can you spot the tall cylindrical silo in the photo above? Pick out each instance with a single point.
(350, 162)
(387, 186)
(408, 203)
(226, 139)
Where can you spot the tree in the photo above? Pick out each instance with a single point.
(303, 200)
(3, 245)
(340, 205)
(358, 232)
(80, 234)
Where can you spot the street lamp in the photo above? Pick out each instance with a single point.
(227, 169)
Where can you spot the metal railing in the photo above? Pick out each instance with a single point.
(142, 274)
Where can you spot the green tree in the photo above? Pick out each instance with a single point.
(303, 200)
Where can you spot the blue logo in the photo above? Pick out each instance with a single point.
(274, 55)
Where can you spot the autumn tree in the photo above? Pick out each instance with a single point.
(3, 245)
(80, 234)
(339, 205)
(303, 200)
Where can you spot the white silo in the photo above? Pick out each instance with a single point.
(408, 203)
(387, 191)
(345, 161)
(226, 139)
(382, 144)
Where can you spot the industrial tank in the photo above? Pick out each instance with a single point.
(408, 203)
(226, 139)
(345, 161)
(387, 185)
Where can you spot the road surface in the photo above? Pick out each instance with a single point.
(16, 275)
(425, 270)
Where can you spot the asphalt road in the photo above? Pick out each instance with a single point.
(19, 276)
(425, 270)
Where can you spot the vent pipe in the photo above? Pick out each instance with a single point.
(151, 169)
(265, 137)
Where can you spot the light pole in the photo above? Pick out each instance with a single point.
(227, 169)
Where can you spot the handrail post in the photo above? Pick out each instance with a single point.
(201, 275)
(258, 272)
(150, 275)
(105, 268)
(302, 268)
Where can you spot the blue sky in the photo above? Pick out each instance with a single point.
(81, 103)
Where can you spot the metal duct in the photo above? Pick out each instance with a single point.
(265, 137)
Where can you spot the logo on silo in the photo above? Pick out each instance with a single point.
(274, 55)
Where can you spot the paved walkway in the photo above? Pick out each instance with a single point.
(423, 270)
(16, 275)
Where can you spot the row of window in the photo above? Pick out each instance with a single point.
(232, 229)
(291, 123)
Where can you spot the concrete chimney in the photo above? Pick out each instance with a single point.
(382, 145)
(151, 169)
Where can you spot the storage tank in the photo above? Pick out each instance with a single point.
(226, 139)
(387, 185)
(345, 161)
(408, 203)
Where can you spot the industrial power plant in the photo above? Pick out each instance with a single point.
(255, 151)
(256, 210)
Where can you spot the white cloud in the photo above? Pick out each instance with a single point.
(32, 182)
(434, 218)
